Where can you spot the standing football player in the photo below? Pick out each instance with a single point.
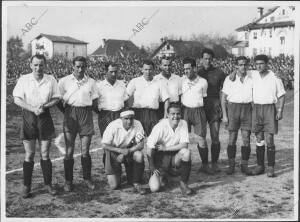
(35, 93)
(79, 94)
(212, 105)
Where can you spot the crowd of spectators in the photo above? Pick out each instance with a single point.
(129, 67)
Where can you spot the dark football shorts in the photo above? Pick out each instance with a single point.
(37, 127)
(105, 117)
(147, 117)
(264, 118)
(164, 160)
(112, 166)
(239, 116)
(197, 118)
(79, 120)
(213, 110)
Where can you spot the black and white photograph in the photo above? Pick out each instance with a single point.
(150, 111)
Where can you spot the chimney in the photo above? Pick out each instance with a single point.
(261, 11)
(104, 42)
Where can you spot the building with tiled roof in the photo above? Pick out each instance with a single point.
(51, 45)
(116, 47)
(272, 33)
(181, 48)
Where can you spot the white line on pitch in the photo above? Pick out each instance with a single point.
(75, 155)
(54, 160)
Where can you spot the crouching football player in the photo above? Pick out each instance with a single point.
(123, 141)
(167, 146)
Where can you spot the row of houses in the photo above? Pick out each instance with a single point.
(272, 34)
(50, 45)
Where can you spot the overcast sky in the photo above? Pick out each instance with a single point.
(92, 23)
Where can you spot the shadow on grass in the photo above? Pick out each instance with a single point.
(284, 164)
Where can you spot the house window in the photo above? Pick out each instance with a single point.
(168, 47)
(272, 19)
(283, 12)
(270, 33)
(66, 54)
(255, 35)
(282, 40)
(246, 36)
(254, 51)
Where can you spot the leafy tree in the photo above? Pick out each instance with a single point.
(14, 47)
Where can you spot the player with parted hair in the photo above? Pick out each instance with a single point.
(79, 95)
(112, 96)
(212, 105)
(170, 81)
(268, 90)
(35, 93)
(237, 113)
(194, 90)
(146, 93)
(167, 146)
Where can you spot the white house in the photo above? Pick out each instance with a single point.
(50, 45)
(271, 34)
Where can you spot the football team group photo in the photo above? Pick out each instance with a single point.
(150, 111)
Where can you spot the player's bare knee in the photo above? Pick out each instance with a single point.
(246, 141)
(185, 154)
(113, 185)
(45, 155)
(138, 156)
(202, 142)
(259, 137)
(29, 156)
(270, 140)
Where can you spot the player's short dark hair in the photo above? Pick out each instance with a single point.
(80, 59)
(241, 58)
(164, 57)
(148, 62)
(188, 60)
(207, 51)
(38, 56)
(173, 105)
(108, 64)
(262, 57)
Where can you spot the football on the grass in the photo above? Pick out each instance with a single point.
(154, 183)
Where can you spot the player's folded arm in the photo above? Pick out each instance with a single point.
(137, 147)
(53, 101)
(109, 147)
(177, 147)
